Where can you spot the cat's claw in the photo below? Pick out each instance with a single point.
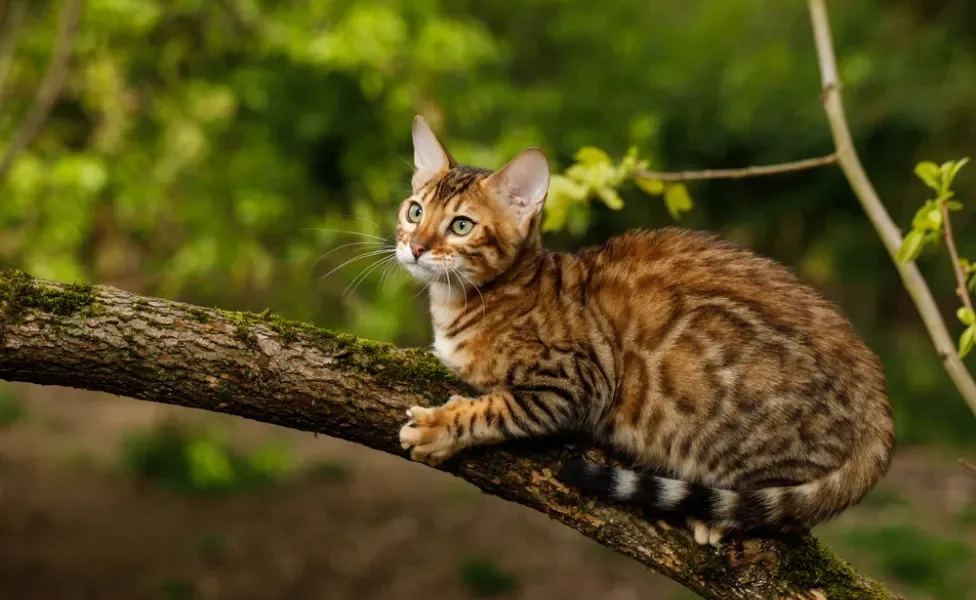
(427, 436)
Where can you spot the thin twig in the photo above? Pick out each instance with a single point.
(760, 171)
(954, 257)
(890, 236)
(50, 88)
(967, 464)
(8, 40)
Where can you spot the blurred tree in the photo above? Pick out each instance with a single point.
(210, 150)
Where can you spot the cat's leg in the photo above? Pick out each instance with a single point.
(435, 434)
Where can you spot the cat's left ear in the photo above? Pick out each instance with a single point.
(522, 184)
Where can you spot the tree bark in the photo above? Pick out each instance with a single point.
(265, 368)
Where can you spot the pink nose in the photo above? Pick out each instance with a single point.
(417, 250)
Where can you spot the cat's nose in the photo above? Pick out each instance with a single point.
(417, 250)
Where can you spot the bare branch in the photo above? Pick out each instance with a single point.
(850, 163)
(50, 88)
(265, 368)
(757, 171)
(967, 464)
(961, 289)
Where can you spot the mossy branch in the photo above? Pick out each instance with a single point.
(266, 368)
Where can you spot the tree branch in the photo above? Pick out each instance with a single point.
(756, 171)
(50, 88)
(292, 374)
(850, 163)
(961, 289)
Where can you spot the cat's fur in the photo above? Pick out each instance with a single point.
(686, 352)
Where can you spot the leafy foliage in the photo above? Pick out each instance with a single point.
(485, 578)
(595, 175)
(12, 409)
(928, 228)
(183, 459)
(212, 151)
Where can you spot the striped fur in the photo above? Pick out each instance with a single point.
(676, 348)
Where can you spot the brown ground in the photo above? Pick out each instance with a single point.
(72, 525)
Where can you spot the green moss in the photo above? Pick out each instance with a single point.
(808, 564)
(199, 315)
(20, 292)
(415, 368)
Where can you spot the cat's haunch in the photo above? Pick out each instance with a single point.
(676, 348)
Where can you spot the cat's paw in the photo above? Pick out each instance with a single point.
(705, 535)
(428, 436)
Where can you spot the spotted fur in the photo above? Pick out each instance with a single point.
(750, 396)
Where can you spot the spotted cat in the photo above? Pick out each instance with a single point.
(750, 397)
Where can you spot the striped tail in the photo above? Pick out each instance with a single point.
(784, 507)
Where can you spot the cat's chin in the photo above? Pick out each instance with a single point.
(424, 274)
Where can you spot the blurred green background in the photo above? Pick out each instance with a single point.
(212, 151)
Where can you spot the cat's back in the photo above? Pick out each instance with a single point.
(654, 277)
(719, 347)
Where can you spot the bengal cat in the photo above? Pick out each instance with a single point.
(750, 396)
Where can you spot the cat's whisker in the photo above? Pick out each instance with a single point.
(336, 249)
(387, 272)
(447, 274)
(460, 285)
(359, 257)
(484, 311)
(362, 276)
(376, 225)
(348, 232)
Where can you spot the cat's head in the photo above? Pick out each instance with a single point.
(467, 225)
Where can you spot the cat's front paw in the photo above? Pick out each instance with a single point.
(428, 436)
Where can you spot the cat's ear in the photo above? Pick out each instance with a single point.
(522, 184)
(429, 156)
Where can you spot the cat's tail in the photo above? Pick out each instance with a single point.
(781, 507)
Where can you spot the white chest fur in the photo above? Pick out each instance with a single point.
(449, 350)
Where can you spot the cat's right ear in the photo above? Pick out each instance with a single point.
(429, 156)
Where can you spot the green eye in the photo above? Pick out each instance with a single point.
(462, 226)
(415, 213)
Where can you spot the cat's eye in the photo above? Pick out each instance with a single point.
(415, 213)
(462, 226)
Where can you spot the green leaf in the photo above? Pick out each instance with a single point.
(929, 173)
(579, 218)
(966, 316)
(611, 198)
(921, 219)
(556, 213)
(653, 187)
(954, 205)
(966, 341)
(589, 155)
(953, 170)
(677, 200)
(911, 247)
(934, 217)
(209, 465)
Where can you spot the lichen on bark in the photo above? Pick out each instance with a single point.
(264, 367)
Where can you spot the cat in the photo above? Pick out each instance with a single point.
(751, 394)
